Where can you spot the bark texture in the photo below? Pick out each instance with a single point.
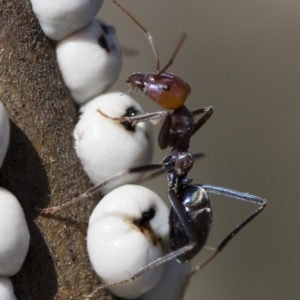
(41, 168)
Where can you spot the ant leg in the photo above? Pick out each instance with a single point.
(164, 133)
(200, 110)
(95, 189)
(232, 194)
(137, 119)
(155, 263)
(208, 112)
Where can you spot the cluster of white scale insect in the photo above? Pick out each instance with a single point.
(90, 60)
(14, 234)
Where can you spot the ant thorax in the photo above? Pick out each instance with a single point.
(183, 163)
(166, 89)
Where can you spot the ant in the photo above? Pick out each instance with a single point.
(190, 216)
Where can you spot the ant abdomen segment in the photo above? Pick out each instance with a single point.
(167, 90)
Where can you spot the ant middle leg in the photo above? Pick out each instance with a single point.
(208, 111)
(137, 119)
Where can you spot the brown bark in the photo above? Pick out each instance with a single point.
(41, 167)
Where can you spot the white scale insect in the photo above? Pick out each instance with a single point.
(90, 60)
(14, 234)
(4, 133)
(60, 18)
(127, 230)
(106, 147)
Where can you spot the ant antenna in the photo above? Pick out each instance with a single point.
(181, 41)
(147, 33)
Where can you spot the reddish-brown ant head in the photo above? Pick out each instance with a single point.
(166, 89)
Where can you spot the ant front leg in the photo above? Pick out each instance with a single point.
(208, 111)
(164, 134)
(137, 119)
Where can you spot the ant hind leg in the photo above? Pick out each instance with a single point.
(232, 194)
(137, 119)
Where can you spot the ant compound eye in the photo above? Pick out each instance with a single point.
(90, 61)
(13, 232)
(59, 19)
(4, 133)
(166, 87)
(105, 146)
(113, 222)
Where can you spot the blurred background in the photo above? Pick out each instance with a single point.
(242, 57)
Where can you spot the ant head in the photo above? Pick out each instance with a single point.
(166, 89)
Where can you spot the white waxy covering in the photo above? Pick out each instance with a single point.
(59, 18)
(171, 283)
(14, 234)
(6, 289)
(118, 247)
(4, 133)
(105, 147)
(90, 60)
